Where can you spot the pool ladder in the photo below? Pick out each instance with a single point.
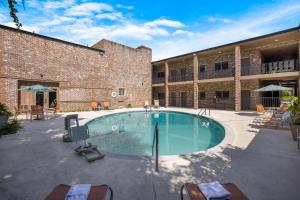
(155, 143)
(203, 111)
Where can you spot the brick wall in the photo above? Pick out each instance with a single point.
(177, 89)
(83, 74)
(177, 66)
(129, 68)
(210, 92)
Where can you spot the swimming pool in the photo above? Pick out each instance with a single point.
(131, 133)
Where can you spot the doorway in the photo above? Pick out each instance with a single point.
(183, 97)
(39, 98)
(246, 95)
(52, 99)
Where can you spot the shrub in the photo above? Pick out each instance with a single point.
(11, 128)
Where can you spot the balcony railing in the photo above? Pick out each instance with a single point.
(187, 77)
(272, 67)
(216, 74)
(269, 102)
(156, 80)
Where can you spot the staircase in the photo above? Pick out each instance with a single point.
(276, 123)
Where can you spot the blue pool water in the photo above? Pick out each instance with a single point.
(131, 133)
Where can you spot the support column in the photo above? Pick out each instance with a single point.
(166, 84)
(298, 65)
(237, 79)
(196, 106)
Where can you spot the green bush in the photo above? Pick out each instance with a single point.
(11, 128)
(4, 110)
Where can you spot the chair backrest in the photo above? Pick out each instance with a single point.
(260, 108)
(156, 102)
(80, 133)
(94, 104)
(147, 103)
(68, 119)
(105, 104)
(283, 107)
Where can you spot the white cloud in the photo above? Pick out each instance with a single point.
(123, 6)
(183, 32)
(165, 22)
(24, 27)
(58, 4)
(251, 25)
(110, 16)
(87, 9)
(218, 19)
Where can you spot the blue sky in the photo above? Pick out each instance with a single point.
(170, 27)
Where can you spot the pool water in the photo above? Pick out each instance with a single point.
(131, 133)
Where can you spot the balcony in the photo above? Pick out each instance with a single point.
(157, 80)
(216, 74)
(272, 67)
(186, 77)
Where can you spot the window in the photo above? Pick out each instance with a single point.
(121, 91)
(218, 66)
(202, 68)
(202, 95)
(183, 72)
(222, 95)
(160, 95)
(160, 74)
(221, 66)
(224, 65)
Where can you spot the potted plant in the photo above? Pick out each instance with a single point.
(4, 115)
(294, 121)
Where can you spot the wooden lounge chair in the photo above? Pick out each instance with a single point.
(38, 111)
(194, 193)
(94, 106)
(97, 192)
(105, 105)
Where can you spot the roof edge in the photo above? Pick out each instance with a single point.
(51, 38)
(230, 44)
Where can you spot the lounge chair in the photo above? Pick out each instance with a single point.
(105, 105)
(38, 111)
(147, 104)
(156, 103)
(194, 193)
(262, 115)
(68, 136)
(97, 192)
(88, 151)
(94, 105)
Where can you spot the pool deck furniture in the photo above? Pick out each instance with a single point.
(88, 151)
(94, 106)
(68, 119)
(263, 116)
(99, 192)
(156, 103)
(147, 104)
(194, 193)
(38, 111)
(105, 105)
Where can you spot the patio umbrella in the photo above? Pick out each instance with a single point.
(36, 88)
(272, 88)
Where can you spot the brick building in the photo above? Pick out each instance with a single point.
(78, 74)
(226, 76)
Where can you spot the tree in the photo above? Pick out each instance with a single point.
(13, 12)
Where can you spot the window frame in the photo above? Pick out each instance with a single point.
(124, 93)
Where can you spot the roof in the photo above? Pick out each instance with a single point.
(51, 38)
(232, 44)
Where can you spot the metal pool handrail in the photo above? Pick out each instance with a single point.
(155, 142)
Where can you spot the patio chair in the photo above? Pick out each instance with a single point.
(262, 114)
(99, 192)
(94, 106)
(147, 104)
(194, 193)
(87, 150)
(105, 105)
(156, 103)
(38, 111)
(68, 119)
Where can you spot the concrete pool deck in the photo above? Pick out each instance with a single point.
(264, 164)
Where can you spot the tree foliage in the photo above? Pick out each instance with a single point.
(13, 12)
